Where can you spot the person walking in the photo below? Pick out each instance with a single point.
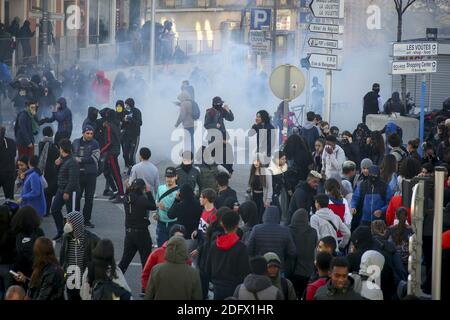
(7, 164)
(33, 188)
(131, 131)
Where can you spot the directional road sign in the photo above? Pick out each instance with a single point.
(324, 61)
(333, 9)
(414, 67)
(325, 43)
(326, 28)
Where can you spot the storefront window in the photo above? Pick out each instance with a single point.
(100, 21)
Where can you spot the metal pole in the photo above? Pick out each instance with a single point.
(97, 49)
(423, 93)
(308, 88)
(13, 62)
(44, 31)
(437, 232)
(152, 43)
(274, 34)
(287, 89)
(328, 83)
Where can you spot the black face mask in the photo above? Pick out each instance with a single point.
(373, 179)
(186, 167)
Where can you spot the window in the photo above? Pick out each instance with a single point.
(100, 21)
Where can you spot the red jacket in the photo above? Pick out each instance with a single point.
(156, 257)
(394, 204)
(101, 90)
(313, 287)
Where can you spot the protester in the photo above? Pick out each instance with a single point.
(397, 149)
(367, 281)
(248, 213)
(280, 197)
(277, 278)
(25, 128)
(388, 174)
(309, 132)
(319, 146)
(33, 188)
(215, 116)
(187, 172)
(186, 118)
(304, 194)
(7, 246)
(24, 35)
(7, 164)
(332, 159)
(131, 131)
(146, 171)
(399, 234)
(372, 102)
(101, 87)
(226, 197)
(264, 131)
(63, 116)
(298, 155)
(338, 204)
(322, 264)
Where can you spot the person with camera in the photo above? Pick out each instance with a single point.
(137, 203)
(131, 131)
(350, 147)
(87, 153)
(215, 116)
(63, 116)
(333, 158)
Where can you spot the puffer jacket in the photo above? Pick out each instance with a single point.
(270, 236)
(257, 287)
(369, 197)
(185, 117)
(69, 175)
(89, 152)
(303, 198)
(33, 192)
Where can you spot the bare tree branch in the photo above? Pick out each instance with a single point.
(397, 5)
(409, 4)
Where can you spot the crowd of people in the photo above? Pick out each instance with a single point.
(324, 218)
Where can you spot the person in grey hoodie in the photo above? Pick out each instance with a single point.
(368, 280)
(305, 238)
(327, 223)
(185, 118)
(278, 279)
(257, 285)
(309, 131)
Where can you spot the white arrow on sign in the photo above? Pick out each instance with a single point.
(333, 9)
(325, 43)
(414, 67)
(323, 61)
(412, 49)
(326, 28)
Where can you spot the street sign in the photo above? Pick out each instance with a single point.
(258, 42)
(410, 49)
(51, 15)
(287, 82)
(333, 9)
(260, 18)
(326, 28)
(323, 61)
(414, 67)
(325, 43)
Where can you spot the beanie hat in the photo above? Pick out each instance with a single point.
(366, 163)
(87, 127)
(374, 171)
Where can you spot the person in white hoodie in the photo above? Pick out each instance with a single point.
(327, 223)
(368, 281)
(333, 157)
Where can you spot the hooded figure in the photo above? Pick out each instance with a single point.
(362, 241)
(248, 213)
(25, 34)
(279, 281)
(174, 279)
(91, 118)
(367, 283)
(101, 88)
(270, 236)
(185, 117)
(305, 238)
(257, 286)
(63, 116)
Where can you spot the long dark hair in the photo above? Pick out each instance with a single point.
(44, 254)
(264, 116)
(334, 188)
(251, 179)
(388, 168)
(400, 231)
(26, 220)
(378, 142)
(103, 265)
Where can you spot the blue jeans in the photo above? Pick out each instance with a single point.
(57, 205)
(162, 232)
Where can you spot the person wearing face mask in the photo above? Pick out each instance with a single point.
(63, 116)
(131, 123)
(371, 199)
(25, 128)
(187, 173)
(92, 119)
(7, 164)
(372, 102)
(215, 116)
(333, 158)
(87, 153)
(76, 252)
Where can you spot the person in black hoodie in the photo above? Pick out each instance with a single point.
(304, 194)
(92, 120)
(6, 250)
(48, 153)
(371, 103)
(131, 127)
(299, 156)
(309, 131)
(7, 164)
(228, 260)
(63, 116)
(137, 204)
(248, 212)
(361, 241)
(186, 210)
(111, 151)
(301, 267)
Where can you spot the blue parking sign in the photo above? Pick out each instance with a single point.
(260, 18)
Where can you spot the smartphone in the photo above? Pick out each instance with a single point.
(15, 274)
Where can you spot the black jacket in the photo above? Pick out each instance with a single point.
(303, 198)
(89, 152)
(7, 247)
(50, 173)
(132, 122)
(248, 213)
(90, 242)
(51, 284)
(7, 156)
(352, 152)
(270, 236)
(136, 210)
(69, 175)
(91, 119)
(24, 251)
(226, 198)
(112, 140)
(262, 136)
(371, 103)
(215, 116)
(187, 211)
(327, 292)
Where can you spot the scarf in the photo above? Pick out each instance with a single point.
(34, 123)
(44, 154)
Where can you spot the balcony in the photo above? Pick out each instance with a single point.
(191, 4)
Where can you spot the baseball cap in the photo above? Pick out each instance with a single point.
(349, 165)
(170, 172)
(315, 174)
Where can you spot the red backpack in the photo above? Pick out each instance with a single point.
(339, 210)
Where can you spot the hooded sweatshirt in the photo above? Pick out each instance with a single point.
(270, 236)
(7, 155)
(228, 262)
(185, 117)
(132, 121)
(283, 284)
(367, 282)
(91, 119)
(247, 211)
(76, 241)
(174, 279)
(327, 223)
(101, 90)
(310, 134)
(305, 239)
(257, 287)
(63, 116)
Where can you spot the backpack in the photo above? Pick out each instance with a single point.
(284, 287)
(195, 110)
(109, 290)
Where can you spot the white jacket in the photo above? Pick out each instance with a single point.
(85, 291)
(332, 163)
(322, 221)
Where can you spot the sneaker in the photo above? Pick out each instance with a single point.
(113, 196)
(57, 237)
(89, 225)
(107, 193)
(118, 199)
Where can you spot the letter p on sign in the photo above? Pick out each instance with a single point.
(260, 18)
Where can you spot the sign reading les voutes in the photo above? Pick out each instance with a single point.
(424, 49)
